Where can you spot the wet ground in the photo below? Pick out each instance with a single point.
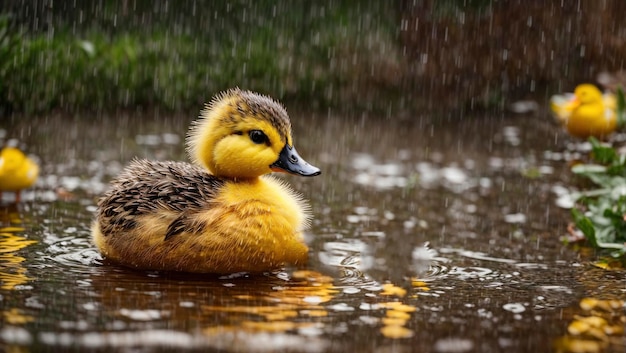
(427, 237)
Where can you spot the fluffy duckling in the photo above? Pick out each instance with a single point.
(17, 171)
(586, 113)
(221, 214)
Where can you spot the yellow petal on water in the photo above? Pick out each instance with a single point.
(11, 229)
(608, 264)
(280, 315)
(390, 289)
(311, 276)
(588, 303)
(245, 297)
(609, 305)
(10, 242)
(11, 280)
(305, 300)
(420, 284)
(614, 330)
(577, 328)
(15, 316)
(219, 330)
(314, 313)
(258, 310)
(597, 333)
(274, 326)
(396, 332)
(397, 314)
(605, 305)
(391, 321)
(593, 321)
(575, 345)
(601, 264)
(397, 306)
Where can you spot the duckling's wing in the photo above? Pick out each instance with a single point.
(177, 226)
(154, 188)
(184, 223)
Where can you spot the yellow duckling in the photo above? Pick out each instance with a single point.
(221, 214)
(587, 112)
(17, 171)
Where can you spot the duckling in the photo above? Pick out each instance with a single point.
(221, 213)
(17, 171)
(586, 113)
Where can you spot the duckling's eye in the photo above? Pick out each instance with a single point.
(258, 136)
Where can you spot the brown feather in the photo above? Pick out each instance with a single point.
(151, 187)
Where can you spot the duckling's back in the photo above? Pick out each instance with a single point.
(147, 187)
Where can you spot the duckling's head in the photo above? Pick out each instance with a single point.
(11, 159)
(242, 134)
(588, 94)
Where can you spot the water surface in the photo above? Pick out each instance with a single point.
(441, 237)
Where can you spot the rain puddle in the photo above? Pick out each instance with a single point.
(440, 237)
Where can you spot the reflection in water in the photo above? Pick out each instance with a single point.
(598, 328)
(12, 273)
(224, 313)
(281, 308)
(283, 311)
(16, 317)
(395, 320)
(294, 306)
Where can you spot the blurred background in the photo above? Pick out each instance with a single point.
(444, 219)
(384, 56)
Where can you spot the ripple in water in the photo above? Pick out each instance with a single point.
(360, 267)
(82, 258)
(74, 253)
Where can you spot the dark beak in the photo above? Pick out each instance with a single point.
(290, 162)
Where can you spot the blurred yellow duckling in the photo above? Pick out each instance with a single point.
(17, 171)
(587, 112)
(221, 214)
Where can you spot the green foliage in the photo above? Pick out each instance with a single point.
(96, 72)
(621, 108)
(450, 7)
(305, 51)
(9, 41)
(604, 221)
(585, 225)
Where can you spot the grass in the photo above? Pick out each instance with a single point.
(96, 72)
(321, 54)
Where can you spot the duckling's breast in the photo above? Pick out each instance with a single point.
(592, 120)
(19, 177)
(266, 217)
(176, 216)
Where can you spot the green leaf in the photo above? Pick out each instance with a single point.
(621, 108)
(588, 169)
(586, 226)
(88, 47)
(603, 154)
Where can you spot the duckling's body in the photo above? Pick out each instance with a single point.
(587, 112)
(17, 172)
(220, 214)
